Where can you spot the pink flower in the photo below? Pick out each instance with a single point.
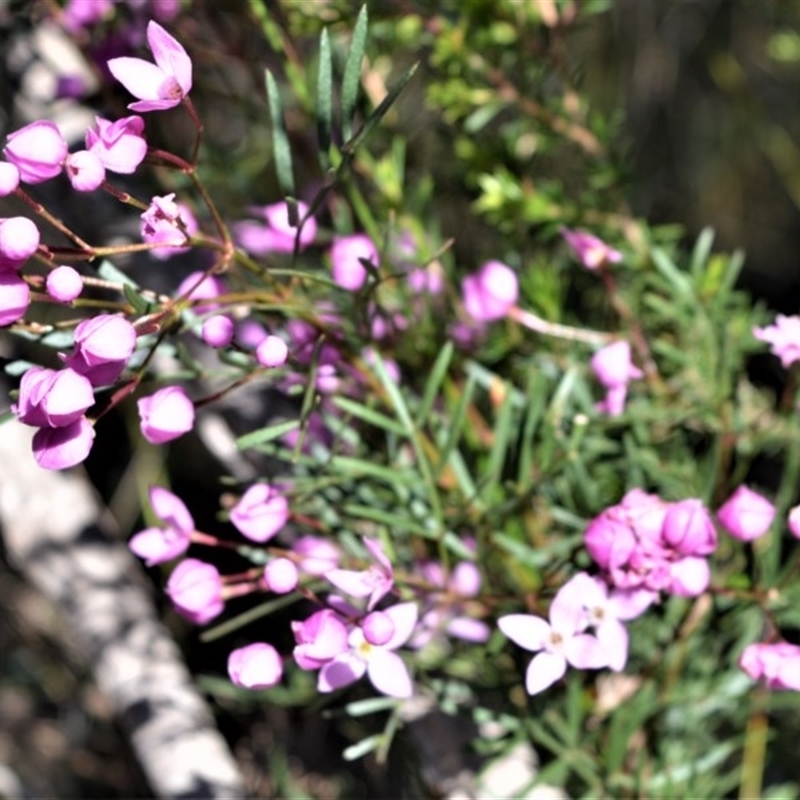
(275, 234)
(160, 85)
(688, 528)
(375, 582)
(64, 284)
(746, 515)
(59, 448)
(256, 666)
(318, 555)
(778, 665)
(784, 338)
(384, 668)
(85, 171)
(195, 589)
(260, 513)
(491, 292)
(218, 330)
(199, 286)
(612, 365)
(794, 521)
(103, 345)
(38, 150)
(347, 253)
(14, 297)
(561, 641)
(320, 639)
(156, 545)
(589, 250)
(19, 238)
(165, 415)
(120, 145)
(169, 223)
(280, 575)
(79, 14)
(52, 398)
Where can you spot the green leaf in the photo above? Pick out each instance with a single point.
(363, 747)
(370, 416)
(380, 112)
(280, 141)
(701, 252)
(434, 382)
(352, 73)
(17, 368)
(360, 708)
(140, 305)
(108, 272)
(502, 437)
(678, 280)
(324, 100)
(456, 424)
(267, 434)
(263, 610)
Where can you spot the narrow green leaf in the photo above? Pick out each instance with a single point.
(108, 272)
(140, 305)
(17, 368)
(536, 398)
(352, 73)
(456, 424)
(380, 112)
(369, 415)
(434, 382)
(262, 610)
(360, 708)
(267, 434)
(678, 280)
(394, 522)
(356, 751)
(502, 437)
(324, 100)
(356, 466)
(280, 141)
(701, 252)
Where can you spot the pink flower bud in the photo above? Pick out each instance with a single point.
(103, 345)
(260, 513)
(199, 286)
(280, 575)
(783, 336)
(14, 297)
(377, 627)
(120, 145)
(165, 415)
(60, 448)
(589, 250)
(491, 292)
(218, 331)
(195, 589)
(256, 666)
(272, 352)
(275, 234)
(9, 178)
(85, 171)
(318, 555)
(320, 638)
(794, 522)
(52, 398)
(689, 529)
(19, 238)
(64, 284)
(746, 515)
(38, 150)
(347, 253)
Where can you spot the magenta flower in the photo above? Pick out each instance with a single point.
(165, 415)
(103, 345)
(275, 234)
(160, 85)
(746, 515)
(38, 150)
(612, 365)
(688, 528)
(169, 223)
(589, 250)
(375, 582)
(19, 238)
(320, 639)
(778, 664)
(199, 286)
(52, 398)
(60, 448)
(491, 292)
(9, 178)
(561, 641)
(78, 14)
(260, 513)
(120, 145)
(157, 545)
(256, 666)
(64, 284)
(195, 589)
(784, 338)
(15, 296)
(385, 669)
(317, 555)
(794, 522)
(347, 254)
(85, 171)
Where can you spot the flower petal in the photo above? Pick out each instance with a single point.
(613, 635)
(169, 54)
(345, 669)
(404, 618)
(141, 78)
(529, 632)
(544, 671)
(586, 652)
(389, 674)
(352, 582)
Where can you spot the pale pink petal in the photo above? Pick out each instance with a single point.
(141, 78)
(529, 632)
(586, 652)
(404, 618)
(376, 550)
(468, 629)
(544, 671)
(170, 509)
(389, 675)
(342, 671)
(352, 582)
(156, 545)
(170, 55)
(689, 577)
(567, 611)
(613, 635)
(630, 603)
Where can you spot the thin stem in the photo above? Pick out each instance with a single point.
(535, 323)
(41, 211)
